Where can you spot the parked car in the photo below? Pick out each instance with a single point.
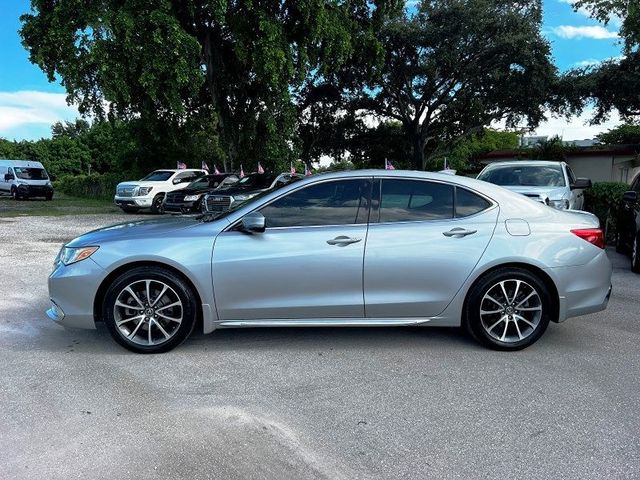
(25, 179)
(189, 199)
(247, 188)
(149, 192)
(628, 225)
(359, 248)
(553, 183)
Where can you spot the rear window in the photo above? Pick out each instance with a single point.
(524, 175)
(157, 176)
(468, 203)
(411, 200)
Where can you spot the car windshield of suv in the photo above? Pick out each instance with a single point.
(208, 181)
(157, 176)
(31, 173)
(524, 175)
(256, 181)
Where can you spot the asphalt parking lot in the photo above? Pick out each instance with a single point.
(308, 403)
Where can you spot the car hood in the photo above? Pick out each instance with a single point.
(238, 190)
(146, 228)
(195, 191)
(135, 183)
(553, 193)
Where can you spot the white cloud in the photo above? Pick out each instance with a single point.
(30, 108)
(615, 20)
(576, 128)
(595, 32)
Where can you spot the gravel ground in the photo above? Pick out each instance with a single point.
(308, 403)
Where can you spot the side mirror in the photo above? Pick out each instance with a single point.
(254, 222)
(8, 177)
(581, 184)
(630, 197)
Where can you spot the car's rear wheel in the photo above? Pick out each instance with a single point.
(635, 255)
(156, 205)
(508, 309)
(149, 310)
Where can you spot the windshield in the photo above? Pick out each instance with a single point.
(28, 173)
(524, 175)
(157, 176)
(256, 181)
(208, 181)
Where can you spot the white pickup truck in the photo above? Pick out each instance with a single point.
(149, 191)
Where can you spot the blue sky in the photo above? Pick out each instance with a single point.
(29, 104)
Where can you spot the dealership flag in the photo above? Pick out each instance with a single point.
(182, 166)
(388, 165)
(241, 172)
(205, 166)
(260, 169)
(215, 169)
(292, 169)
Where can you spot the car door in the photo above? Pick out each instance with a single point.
(576, 197)
(307, 264)
(424, 240)
(3, 182)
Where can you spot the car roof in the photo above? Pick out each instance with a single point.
(511, 163)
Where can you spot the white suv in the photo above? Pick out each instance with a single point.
(149, 191)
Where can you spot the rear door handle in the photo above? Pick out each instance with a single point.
(458, 232)
(343, 241)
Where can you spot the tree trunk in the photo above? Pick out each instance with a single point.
(417, 152)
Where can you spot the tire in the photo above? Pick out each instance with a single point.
(156, 205)
(129, 209)
(49, 197)
(131, 327)
(635, 255)
(14, 194)
(502, 325)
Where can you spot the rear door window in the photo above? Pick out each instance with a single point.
(415, 200)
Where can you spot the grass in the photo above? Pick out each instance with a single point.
(60, 205)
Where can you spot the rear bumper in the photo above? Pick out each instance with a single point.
(583, 289)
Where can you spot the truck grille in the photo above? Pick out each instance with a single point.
(175, 197)
(216, 203)
(125, 191)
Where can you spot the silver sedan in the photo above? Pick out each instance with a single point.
(360, 248)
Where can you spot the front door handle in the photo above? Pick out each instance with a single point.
(458, 232)
(343, 241)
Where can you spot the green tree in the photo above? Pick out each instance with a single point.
(456, 66)
(622, 134)
(614, 84)
(464, 154)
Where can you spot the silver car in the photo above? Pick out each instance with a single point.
(552, 183)
(359, 248)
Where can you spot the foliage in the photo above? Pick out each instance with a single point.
(91, 186)
(621, 135)
(456, 66)
(604, 200)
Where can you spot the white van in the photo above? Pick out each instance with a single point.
(24, 179)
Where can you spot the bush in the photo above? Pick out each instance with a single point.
(604, 200)
(93, 186)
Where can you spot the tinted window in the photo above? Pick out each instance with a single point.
(468, 203)
(342, 202)
(157, 176)
(410, 200)
(572, 177)
(524, 175)
(256, 180)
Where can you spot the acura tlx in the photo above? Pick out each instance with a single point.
(359, 248)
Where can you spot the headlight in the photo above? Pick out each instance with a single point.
(21, 182)
(69, 255)
(142, 191)
(562, 204)
(244, 197)
(49, 184)
(192, 198)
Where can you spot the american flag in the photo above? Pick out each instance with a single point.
(215, 169)
(181, 166)
(241, 171)
(205, 166)
(260, 169)
(292, 169)
(388, 165)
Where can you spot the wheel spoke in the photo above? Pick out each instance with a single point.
(525, 299)
(522, 319)
(148, 290)
(164, 332)
(489, 312)
(134, 296)
(530, 309)
(515, 322)
(489, 297)
(164, 289)
(125, 320)
(149, 334)
(502, 319)
(515, 294)
(506, 326)
(177, 320)
(504, 292)
(174, 304)
(124, 305)
(135, 330)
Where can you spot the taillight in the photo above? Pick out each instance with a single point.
(591, 235)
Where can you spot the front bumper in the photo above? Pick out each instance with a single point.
(136, 202)
(34, 190)
(72, 290)
(182, 207)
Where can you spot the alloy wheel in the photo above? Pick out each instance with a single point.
(511, 310)
(148, 312)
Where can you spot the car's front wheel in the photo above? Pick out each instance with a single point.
(157, 204)
(149, 310)
(508, 309)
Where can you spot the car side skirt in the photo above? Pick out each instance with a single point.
(338, 322)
